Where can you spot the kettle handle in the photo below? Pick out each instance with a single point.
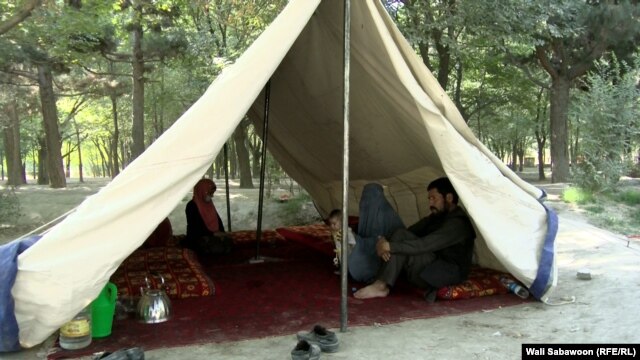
(161, 278)
(113, 291)
(155, 273)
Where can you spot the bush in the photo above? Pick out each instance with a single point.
(298, 209)
(629, 197)
(598, 175)
(634, 171)
(9, 206)
(577, 195)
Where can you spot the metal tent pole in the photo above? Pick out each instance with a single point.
(345, 166)
(263, 165)
(226, 182)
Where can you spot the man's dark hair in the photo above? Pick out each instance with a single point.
(444, 187)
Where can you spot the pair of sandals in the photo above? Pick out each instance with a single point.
(311, 344)
(135, 353)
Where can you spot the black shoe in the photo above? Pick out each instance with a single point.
(325, 339)
(305, 351)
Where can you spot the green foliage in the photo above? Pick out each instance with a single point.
(607, 118)
(577, 195)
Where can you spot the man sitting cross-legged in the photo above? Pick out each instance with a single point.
(435, 252)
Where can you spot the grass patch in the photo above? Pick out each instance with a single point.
(629, 197)
(617, 210)
(577, 196)
(595, 209)
(635, 216)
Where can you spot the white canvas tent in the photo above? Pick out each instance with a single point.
(404, 132)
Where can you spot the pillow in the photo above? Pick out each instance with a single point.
(183, 275)
(249, 236)
(481, 282)
(315, 236)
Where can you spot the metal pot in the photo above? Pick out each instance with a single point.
(154, 305)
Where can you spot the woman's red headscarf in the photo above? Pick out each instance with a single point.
(207, 209)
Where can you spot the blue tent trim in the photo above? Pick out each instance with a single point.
(9, 331)
(545, 267)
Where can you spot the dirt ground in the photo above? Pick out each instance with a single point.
(600, 310)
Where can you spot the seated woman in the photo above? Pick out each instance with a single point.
(377, 218)
(205, 230)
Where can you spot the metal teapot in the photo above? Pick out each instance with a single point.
(154, 305)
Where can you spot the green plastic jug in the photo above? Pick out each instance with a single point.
(102, 310)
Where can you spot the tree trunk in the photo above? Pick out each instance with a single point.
(137, 128)
(233, 165)
(50, 121)
(81, 179)
(575, 148)
(240, 137)
(514, 155)
(15, 170)
(34, 163)
(43, 173)
(256, 160)
(559, 133)
(540, 140)
(217, 166)
(444, 57)
(67, 162)
(520, 156)
(541, 175)
(541, 133)
(116, 137)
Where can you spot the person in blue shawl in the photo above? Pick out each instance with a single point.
(376, 218)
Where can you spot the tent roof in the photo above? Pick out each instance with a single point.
(405, 131)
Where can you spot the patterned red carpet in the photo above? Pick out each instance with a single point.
(293, 290)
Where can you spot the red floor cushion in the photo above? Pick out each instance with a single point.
(180, 268)
(481, 282)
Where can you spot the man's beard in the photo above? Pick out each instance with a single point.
(439, 213)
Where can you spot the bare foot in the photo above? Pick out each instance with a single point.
(377, 289)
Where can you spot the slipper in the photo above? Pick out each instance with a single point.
(325, 339)
(430, 295)
(305, 351)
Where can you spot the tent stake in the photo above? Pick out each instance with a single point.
(345, 167)
(263, 165)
